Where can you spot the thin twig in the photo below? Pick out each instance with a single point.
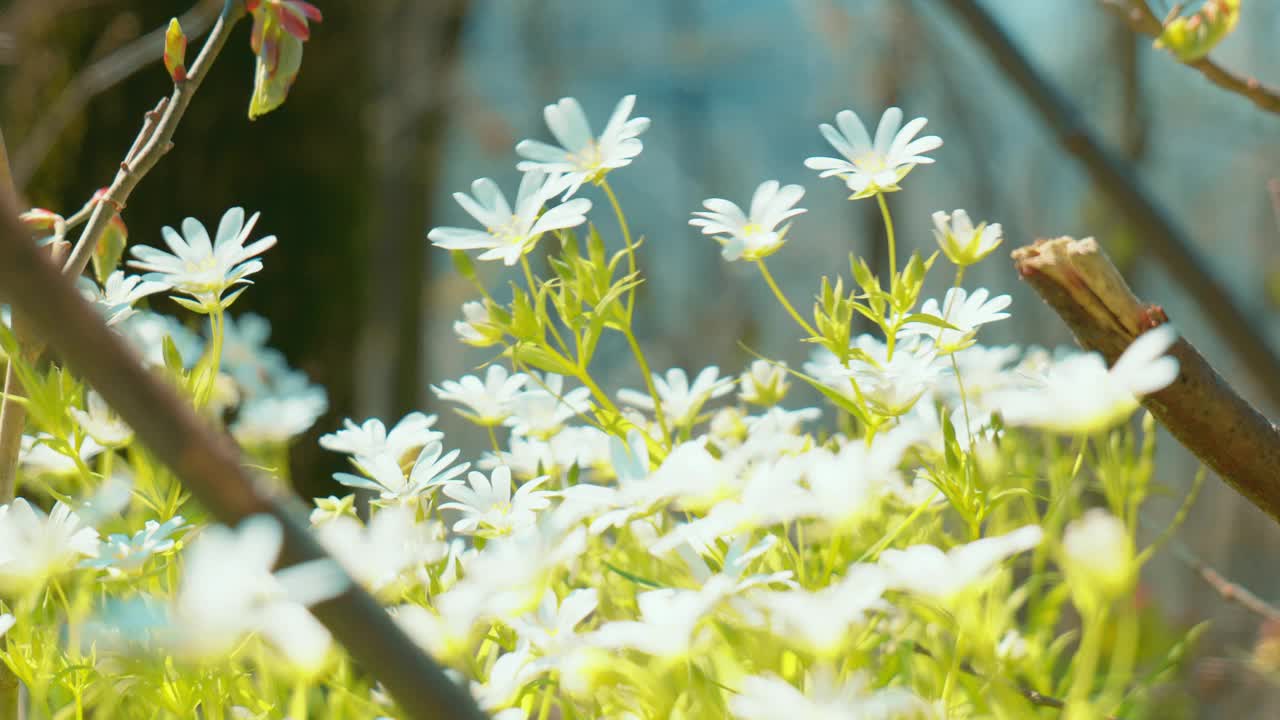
(1199, 408)
(1140, 17)
(98, 78)
(209, 464)
(1228, 590)
(1151, 222)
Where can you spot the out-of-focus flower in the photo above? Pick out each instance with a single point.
(581, 156)
(332, 508)
(35, 546)
(38, 454)
(147, 330)
(476, 326)
(892, 385)
(681, 400)
(543, 407)
(101, 422)
(378, 554)
(201, 269)
(769, 697)
(122, 554)
(870, 167)
(488, 403)
(278, 418)
(1098, 557)
(508, 234)
(764, 383)
(755, 234)
(960, 241)
(1080, 395)
(280, 27)
(1194, 36)
(116, 297)
(927, 570)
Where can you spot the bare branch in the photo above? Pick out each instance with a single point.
(208, 462)
(1200, 409)
(1228, 590)
(97, 78)
(1117, 181)
(1140, 17)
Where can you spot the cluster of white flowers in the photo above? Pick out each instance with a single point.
(690, 549)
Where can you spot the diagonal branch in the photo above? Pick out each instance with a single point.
(1200, 408)
(208, 463)
(1140, 17)
(97, 78)
(1115, 178)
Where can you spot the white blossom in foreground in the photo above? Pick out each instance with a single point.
(962, 242)
(928, 571)
(122, 554)
(543, 407)
(1080, 395)
(488, 506)
(1098, 553)
(964, 311)
(433, 468)
(552, 628)
(228, 589)
(372, 439)
(43, 454)
(117, 295)
(35, 546)
(581, 156)
(202, 269)
(869, 167)
(487, 403)
(820, 620)
(681, 400)
(770, 697)
(754, 234)
(101, 422)
(669, 622)
(278, 418)
(509, 234)
(378, 554)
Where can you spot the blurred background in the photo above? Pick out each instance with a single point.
(401, 102)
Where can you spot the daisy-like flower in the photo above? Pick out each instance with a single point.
(38, 454)
(1080, 395)
(371, 439)
(769, 697)
(668, 624)
(146, 331)
(764, 383)
(116, 297)
(543, 407)
(278, 418)
(681, 400)
(35, 546)
(820, 620)
(101, 422)
(927, 570)
(393, 542)
(507, 234)
(964, 312)
(476, 326)
(228, 588)
(551, 629)
(755, 234)
(870, 167)
(488, 506)
(581, 156)
(892, 385)
(487, 403)
(960, 241)
(122, 554)
(202, 269)
(433, 468)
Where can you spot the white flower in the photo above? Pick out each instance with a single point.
(276, 419)
(551, 629)
(769, 697)
(681, 400)
(871, 167)
(476, 326)
(377, 555)
(963, 311)
(892, 385)
(755, 234)
(146, 331)
(543, 407)
(509, 577)
(963, 243)
(228, 589)
(926, 570)
(820, 620)
(432, 469)
(764, 383)
(101, 422)
(202, 269)
(44, 454)
(1080, 395)
(1012, 646)
(34, 546)
(508, 235)
(371, 438)
(507, 677)
(668, 622)
(116, 297)
(582, 157)
(488, 506)
(122, 554)
(1098, 552)
(245, 355)
(7, 621)
(489, 402)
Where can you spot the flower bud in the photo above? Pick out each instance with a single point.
(175, 52)
(1098, 558)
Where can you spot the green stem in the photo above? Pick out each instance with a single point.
(888, 229)
(493, 440)
(626, 239)
(768, 278)
(648, 382)
(533, 298)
